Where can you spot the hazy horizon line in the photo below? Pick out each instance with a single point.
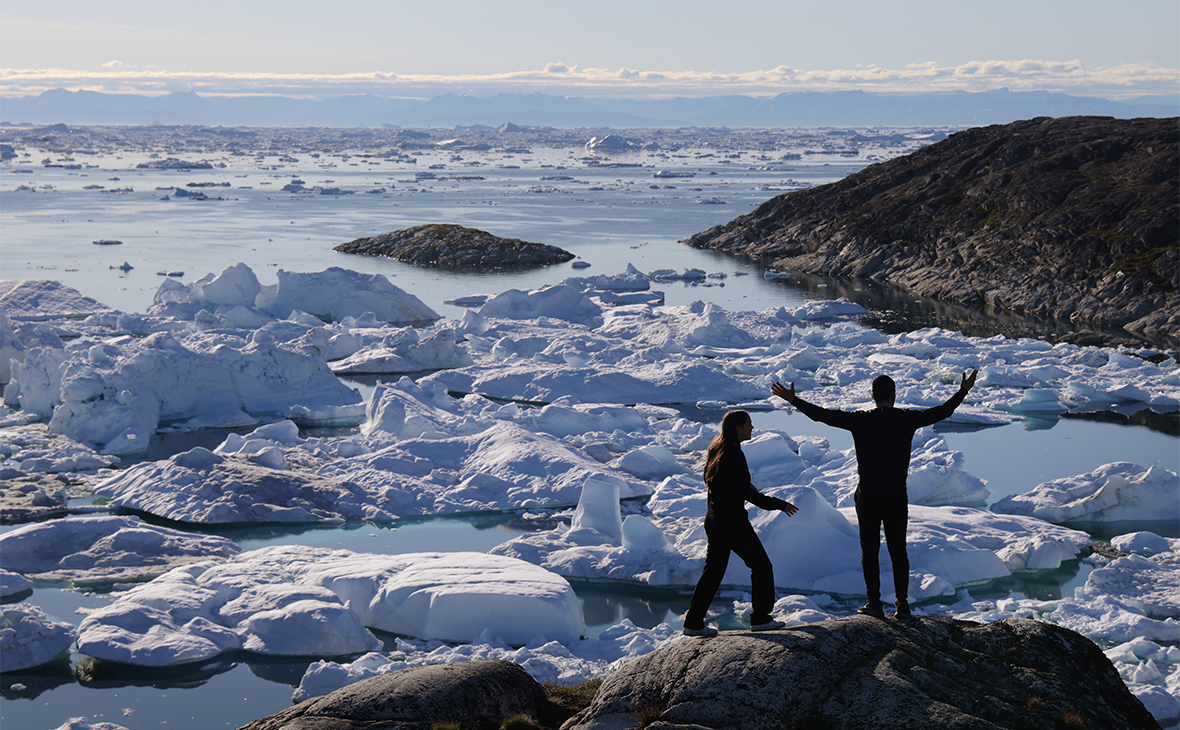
(1116, 83)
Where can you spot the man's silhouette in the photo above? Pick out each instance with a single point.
(883, 437)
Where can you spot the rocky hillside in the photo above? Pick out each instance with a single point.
(1075, 218)
(450, 246)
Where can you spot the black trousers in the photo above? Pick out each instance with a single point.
(738, 536)
(894, 515)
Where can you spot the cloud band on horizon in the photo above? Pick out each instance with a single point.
(1121, 82)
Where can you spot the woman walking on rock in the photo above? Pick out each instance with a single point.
(728, 528)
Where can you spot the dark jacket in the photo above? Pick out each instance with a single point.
(730, 489)
(883, 439)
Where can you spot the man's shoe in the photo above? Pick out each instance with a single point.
(902, 610)
(768, 626)
(872, 609)
(703, 631)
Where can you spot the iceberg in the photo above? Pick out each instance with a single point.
(105, 549)
(303, 601)
(28, 639)
(1115, 492)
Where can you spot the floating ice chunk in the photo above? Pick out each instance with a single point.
(295, 600)
(38, 299)
(1103, 616)
(1150, 586)
(116, 395)
(11, 348)
(376, 360)
(827, 309)
(81, 723)
(403, 411)
(454, 596)
(640, 533)
(1111, 493)
(650, 462)
(235, 286)
(570, 663)
(105, 549)
(772, 459)
(671, 381)
(614, 299)
(29, 639)
(51, 453)
(502, 466)
(199, 486)
(597, 520)
(1038, 401)
(680, 495)
(1141, 662)
(563, 420)
(13, 583)
(1146, 543)
(631, 281)
(336, 293)
(559, 302)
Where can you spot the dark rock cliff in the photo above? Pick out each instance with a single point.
(1075, 218)
(451, 246)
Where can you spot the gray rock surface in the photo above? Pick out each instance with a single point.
(450, 246)
(864, 673)
(26, 497)
(476, 694)
(1075, 218)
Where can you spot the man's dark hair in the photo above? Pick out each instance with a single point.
(883, 388)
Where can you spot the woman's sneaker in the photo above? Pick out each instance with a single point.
(876, 610)
(902, 610)
(768, 626)
(703, 631)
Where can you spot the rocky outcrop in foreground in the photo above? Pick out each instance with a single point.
(853, 673)
(449, 246)
(1075, 218)
(476, 694)
(860, 672)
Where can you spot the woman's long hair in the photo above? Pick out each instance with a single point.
(724, 441)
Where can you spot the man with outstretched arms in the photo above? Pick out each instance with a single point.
(883, 438)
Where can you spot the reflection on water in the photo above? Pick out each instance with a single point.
(893, 309)
(1136, 415)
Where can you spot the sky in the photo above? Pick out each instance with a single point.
(607, 48)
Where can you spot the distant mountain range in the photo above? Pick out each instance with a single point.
(802, 109)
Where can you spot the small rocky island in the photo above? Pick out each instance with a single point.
(450, 246)
(1076, 219)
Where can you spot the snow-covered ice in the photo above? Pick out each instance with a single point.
(29, 639)
(303, 601)
(105, 549)
(1116, 492)
(568, 389)
(547, 661)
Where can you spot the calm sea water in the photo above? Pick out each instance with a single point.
(609, 217)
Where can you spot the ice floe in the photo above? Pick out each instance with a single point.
(304, 601)
(105, 549)
(815, 550)
(1116, 492)
(29, 639)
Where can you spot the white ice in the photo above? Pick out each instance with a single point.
(105, 549)
(29, 639)
(1116, 492)
(815, 550)
(296, 600)
(564, 389)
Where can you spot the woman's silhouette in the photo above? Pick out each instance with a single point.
(728, 527)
